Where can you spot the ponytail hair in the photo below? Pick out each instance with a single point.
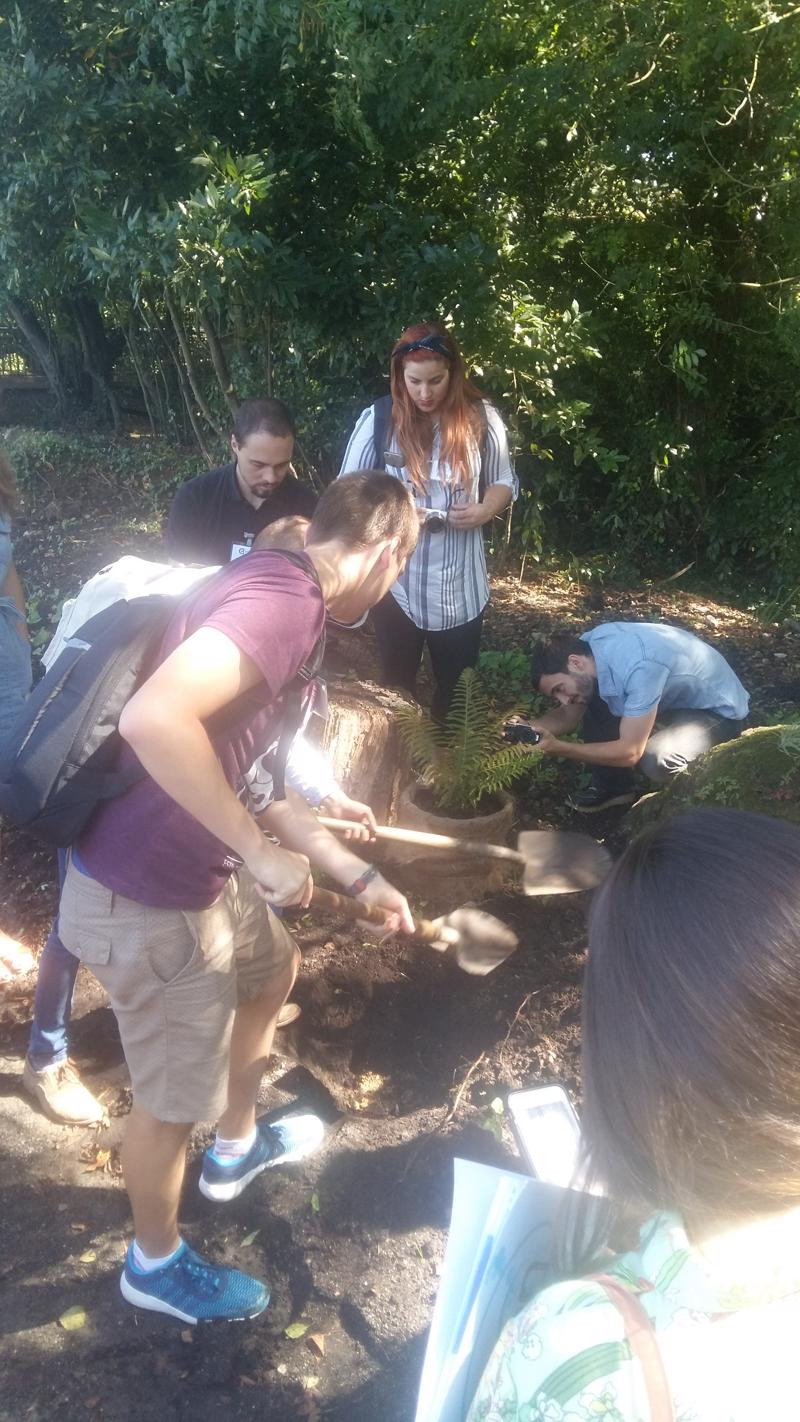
(458, 418)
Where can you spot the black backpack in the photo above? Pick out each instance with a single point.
(56, 765)
(381, 424)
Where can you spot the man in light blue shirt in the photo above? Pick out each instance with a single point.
(646, 695)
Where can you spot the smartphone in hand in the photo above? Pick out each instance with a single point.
(548, 1132)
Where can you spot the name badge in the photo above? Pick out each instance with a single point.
(238, 550)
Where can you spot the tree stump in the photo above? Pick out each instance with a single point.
(363, 742)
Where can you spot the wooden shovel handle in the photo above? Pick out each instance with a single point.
(476, 848)
(352, 908)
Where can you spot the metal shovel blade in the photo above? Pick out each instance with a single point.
(561, 862)
(478, 941)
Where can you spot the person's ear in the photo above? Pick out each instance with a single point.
(234, 445)
(574, 662)
(387, 552)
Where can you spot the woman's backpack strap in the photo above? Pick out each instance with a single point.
(381, 421)
(643, 1343)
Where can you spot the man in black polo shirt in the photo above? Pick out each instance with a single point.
(215, 517)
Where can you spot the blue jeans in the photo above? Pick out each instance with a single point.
(52, 1004)
(15, 666)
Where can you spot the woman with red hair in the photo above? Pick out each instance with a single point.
(438, 435)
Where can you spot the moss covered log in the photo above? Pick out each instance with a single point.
(760, 771)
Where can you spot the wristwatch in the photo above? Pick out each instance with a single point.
(359, 885)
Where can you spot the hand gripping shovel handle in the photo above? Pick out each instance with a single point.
(429, 841)
(351, 908)
(552, 861)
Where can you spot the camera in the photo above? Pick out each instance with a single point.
(435, 520)
(517, 734)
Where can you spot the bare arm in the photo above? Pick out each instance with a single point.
(12, 587)
(560, 721)
(297, 827)
(163, 722)
(626, 751)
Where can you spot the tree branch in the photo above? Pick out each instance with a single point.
(219, 363)
(189, 366)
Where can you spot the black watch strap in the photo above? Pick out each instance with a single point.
(359, 885)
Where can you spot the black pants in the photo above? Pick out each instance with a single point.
(679, 737)
(400, 646)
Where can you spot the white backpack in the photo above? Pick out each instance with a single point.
(129, 577)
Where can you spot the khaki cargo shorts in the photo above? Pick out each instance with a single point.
(174, 978)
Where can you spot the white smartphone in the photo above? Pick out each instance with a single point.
(548, 1133)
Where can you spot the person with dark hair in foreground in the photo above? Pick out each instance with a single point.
(646, 696)
(691, 1084)
(217, 516)
(166, 890)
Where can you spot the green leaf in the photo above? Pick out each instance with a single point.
(296, 1330)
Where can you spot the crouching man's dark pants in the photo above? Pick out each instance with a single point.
(678, 738)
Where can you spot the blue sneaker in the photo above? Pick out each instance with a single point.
(289, 1138)
(190, 1289)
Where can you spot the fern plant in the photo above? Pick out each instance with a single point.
(465, 760)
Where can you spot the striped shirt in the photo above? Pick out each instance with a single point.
(445, 583)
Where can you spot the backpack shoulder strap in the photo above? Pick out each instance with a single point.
(641, 1337)
(381, 420)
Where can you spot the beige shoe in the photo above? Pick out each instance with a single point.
(288, 1013)
(60, 1092)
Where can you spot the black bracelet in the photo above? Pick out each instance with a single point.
(359, 885)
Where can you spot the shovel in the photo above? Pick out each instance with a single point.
(552, 861)
(478, 941)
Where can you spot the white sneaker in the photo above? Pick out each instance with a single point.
(60, 1092)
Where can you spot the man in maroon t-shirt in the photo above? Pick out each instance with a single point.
(166, 891)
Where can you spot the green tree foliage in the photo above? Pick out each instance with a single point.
(203, 201)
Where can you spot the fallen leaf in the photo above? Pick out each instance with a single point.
(100, 1162)
(72, 1318)
(309, 1382)
(315, 1203)
(282, 1369)
(186, 1335)
(316, 1342)
(248, 1382)
(370, 1082)
(297, 1329)
(88, 1257)
(250, 1238)
(78, 1227)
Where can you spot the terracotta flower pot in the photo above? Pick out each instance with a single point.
(434, 870)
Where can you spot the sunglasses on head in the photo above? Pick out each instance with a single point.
(428, 343)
